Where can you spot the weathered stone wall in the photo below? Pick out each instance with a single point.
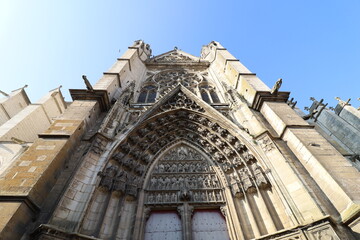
(31, 177)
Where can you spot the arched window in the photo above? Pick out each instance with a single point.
(147, 94)
(214, 96)
(208, 94)
(205, 95)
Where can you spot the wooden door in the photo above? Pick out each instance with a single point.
(209, 224)
(163, 225)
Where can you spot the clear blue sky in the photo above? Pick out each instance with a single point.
(313, 45)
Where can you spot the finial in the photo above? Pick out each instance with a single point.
(175, 48)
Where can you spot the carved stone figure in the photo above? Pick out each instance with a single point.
(260, 178)
(120, 181)
(234, 185)
(107, 177)
(211, 196)
(207, 181)
(153, 183)
(218, 196)
(247, 183)
(237, 162)
(150, 198)
(214, 181)
(185, 195)
(196, 196)
(276, 87)
(248, 156)
(239, 146)
(200, 181)
(203, 197)
(166, 197)
(158, 198)
(161, 168)
(173, 197)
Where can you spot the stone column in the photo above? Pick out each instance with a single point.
(142, 215)
(111, 216)
(276, 209)
(252, 220)
(264, 212)
(126, 220)
(95, 213)
(232, 216)
(244, 219)
(186, 212)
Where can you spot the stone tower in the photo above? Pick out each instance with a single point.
(179, 147)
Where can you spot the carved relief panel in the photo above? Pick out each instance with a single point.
(183, 175)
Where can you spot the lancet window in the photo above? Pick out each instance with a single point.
(208, 94)
(148, 94)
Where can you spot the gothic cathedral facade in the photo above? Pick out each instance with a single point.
(180, 147)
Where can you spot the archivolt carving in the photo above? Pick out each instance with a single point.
(98, 145)
(243, 173)
(116, 179)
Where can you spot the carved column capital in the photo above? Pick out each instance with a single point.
(147, 211)
(223, 210)
(181, 211)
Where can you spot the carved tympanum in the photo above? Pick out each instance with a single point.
(183, 174)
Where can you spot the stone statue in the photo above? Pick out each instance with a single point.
(196, 196)
(158, 198)
(173, 197)
(276, 87)
(150, 198)
(87, 83)
(218, 196)
(185, 195)
(153, 183)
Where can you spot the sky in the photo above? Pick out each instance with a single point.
(314, 46)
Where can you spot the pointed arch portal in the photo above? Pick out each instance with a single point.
(184, 179)
(180, 158)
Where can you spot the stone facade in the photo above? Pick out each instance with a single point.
(180, 147)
